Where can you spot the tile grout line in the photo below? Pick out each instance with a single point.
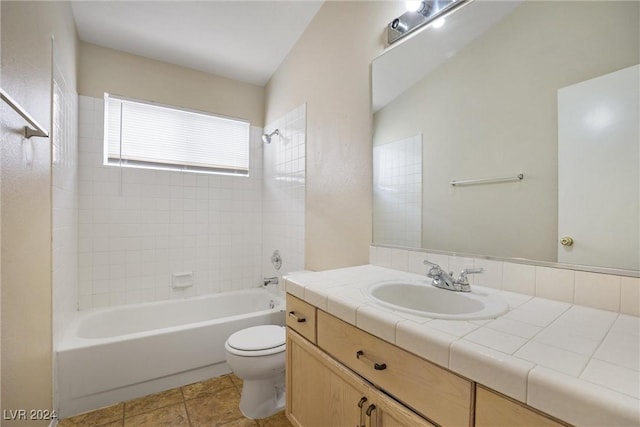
(186, 409)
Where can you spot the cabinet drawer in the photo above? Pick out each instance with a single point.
(434, 392)
(301, 317)
(493, 410)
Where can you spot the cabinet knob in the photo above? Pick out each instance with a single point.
(377, 366)
(297, 319)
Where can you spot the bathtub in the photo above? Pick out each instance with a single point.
(106, 356)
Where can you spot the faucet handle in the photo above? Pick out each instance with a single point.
(462, 279)
(434, 269)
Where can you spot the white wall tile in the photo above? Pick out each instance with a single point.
(597, 290)
(630, 296)
(555, 283)
(519, 278)
(398, 181)
(283, 217)
(65, 205)
(142, 225)
(492, 274)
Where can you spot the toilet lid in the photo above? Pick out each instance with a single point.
(258, 338)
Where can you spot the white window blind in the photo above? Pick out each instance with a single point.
(152, 135)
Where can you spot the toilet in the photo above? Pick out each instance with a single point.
(257, 356)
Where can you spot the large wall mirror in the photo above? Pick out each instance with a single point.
(548, 90)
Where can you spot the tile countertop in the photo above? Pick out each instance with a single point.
(579, 364)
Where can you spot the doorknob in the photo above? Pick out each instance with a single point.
(566, 241)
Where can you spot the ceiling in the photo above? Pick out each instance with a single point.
(241, 40)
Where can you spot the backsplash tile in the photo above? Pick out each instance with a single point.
(519, 278)
(555, 283)
(630, 296)
(491, 277)
(597, 290)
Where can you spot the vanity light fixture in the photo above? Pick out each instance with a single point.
(420, 13)
(438, 23)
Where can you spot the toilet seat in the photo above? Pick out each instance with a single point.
(257, 341)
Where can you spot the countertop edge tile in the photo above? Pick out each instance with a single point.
(343, 308)
(294, 288)
(492, 368)
(316, 296)
(426, 342)
(580, 402)
(377, 322)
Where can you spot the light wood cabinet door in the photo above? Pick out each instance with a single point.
(389, 413)
(316, 396)
(321, 392)
(494, 410)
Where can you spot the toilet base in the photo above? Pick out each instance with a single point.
(262, 398)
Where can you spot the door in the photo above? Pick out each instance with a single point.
(598, 178)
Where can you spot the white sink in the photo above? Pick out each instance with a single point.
(426, 300)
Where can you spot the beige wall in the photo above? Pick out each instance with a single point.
(27, 28)
(106, 70)
(329, 69)
(503, 88)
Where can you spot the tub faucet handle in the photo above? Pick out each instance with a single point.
(270, 281)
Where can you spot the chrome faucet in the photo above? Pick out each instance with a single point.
(444, 280)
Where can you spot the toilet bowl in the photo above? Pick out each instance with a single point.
(257, 356)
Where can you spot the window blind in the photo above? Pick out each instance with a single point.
(142, 134)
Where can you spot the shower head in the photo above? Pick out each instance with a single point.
(266, 138)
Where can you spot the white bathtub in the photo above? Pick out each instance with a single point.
(109, 355)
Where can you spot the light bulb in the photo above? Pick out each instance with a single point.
(438, 23)
(414, 6)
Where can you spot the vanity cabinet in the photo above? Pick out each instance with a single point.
(301, 317)
(434, 392)
(322, 392)
(495, 410)
(339, 375)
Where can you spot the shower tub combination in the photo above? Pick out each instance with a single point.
(109, 355)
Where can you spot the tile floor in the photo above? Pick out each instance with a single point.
(209, 403)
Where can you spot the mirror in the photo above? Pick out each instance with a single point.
(508, 88)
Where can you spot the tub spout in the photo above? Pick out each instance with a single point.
(270, 281)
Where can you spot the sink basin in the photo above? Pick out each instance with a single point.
(426, 300)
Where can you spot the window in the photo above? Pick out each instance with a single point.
(142, 134)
